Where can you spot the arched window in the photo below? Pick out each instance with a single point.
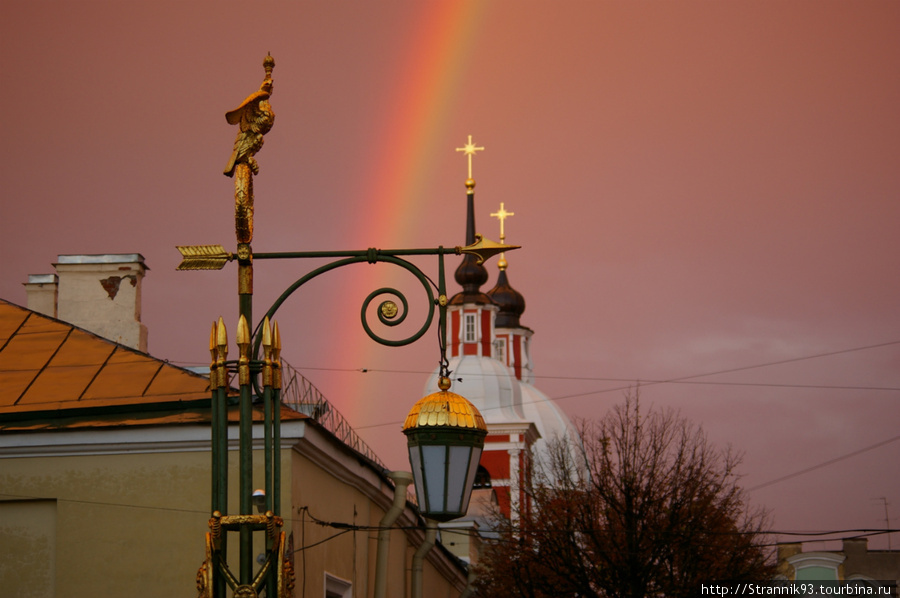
(482, 478)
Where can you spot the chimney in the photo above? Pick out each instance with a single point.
(855, 547)
(100, 293)
(42, 290)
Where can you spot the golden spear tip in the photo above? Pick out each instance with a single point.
(276, 341)
(243, 332)
(212, 340)
(266, 333)
(267, 339)
(221, 335)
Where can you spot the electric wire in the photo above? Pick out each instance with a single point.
(824, 464)
(681, 379)
(344, 528)
(691, 379)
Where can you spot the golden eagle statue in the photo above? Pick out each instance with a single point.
(255, 118)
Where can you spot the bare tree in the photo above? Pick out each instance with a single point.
(643, 506)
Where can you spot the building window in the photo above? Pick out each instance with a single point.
(335, 587)
(482, 478)
(815, 573)
(470, 330)
(500, 350)
(813, 566)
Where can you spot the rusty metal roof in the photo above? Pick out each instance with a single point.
(47, 365)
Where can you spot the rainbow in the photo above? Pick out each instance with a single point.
(415, 133)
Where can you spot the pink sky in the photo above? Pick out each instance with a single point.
(699, 187)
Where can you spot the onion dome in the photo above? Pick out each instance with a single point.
(470, 275)
(510, 301)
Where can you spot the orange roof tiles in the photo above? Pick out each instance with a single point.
(46, 364)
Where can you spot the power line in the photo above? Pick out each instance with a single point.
(632, 381)
(682, 379)
(745, 368)
(349, 527)
(824, 464)
(686, 379)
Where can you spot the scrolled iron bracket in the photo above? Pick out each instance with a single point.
(482, 249)
(389, 312)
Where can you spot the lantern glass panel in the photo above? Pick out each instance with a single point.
(434, 469)
(415, 461)
(457, 476)
(470, 478)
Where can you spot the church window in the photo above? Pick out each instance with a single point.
(469, 329)
(500, 350)
(482, 478)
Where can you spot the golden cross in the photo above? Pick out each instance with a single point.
(502, 215)
(470, 150)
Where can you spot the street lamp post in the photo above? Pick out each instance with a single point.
(445, 432)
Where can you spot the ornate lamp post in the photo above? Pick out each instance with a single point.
(445, 432)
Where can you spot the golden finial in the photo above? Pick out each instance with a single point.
(213, 352)
(222, 338)
(212, 343)
(243, 343)
(267, 338)
(243, 336)
(502, 215)
(268, 64)
(276, 356)
(276, 342)
(267, 352)
(221, 353)
(470, 150)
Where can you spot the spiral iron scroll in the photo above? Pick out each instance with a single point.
(383, 308)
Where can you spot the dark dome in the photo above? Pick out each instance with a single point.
(510, 301)
(470, 275)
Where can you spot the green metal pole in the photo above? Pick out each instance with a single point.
(221, 474)
(246, 451)
(222, 449)
(276, 419)
(214, 445)
(276, 455)
(246, 490)
(276, 451)
(218, 346)
(245, 306)
(267, 410)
